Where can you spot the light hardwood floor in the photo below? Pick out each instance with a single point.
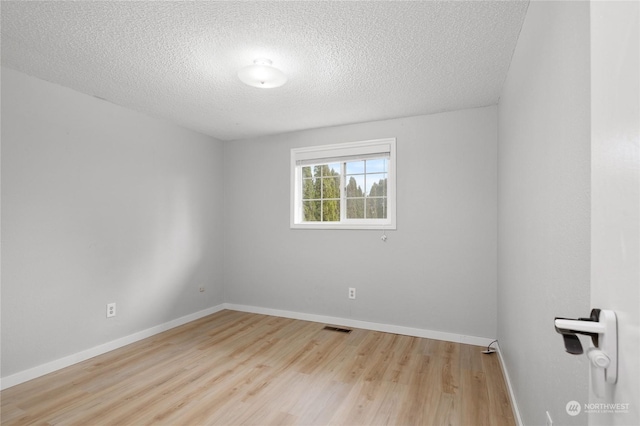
(239, 368)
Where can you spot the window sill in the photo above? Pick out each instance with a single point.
(344, 226)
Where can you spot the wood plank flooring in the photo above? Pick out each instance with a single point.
(238, 368)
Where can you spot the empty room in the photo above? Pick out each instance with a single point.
(320, 212)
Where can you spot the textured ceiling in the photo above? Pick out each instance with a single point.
(347, 62)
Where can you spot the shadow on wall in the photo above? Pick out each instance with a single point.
(165, 273)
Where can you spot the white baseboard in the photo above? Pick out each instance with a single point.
(514, 404)
(41, 370)
(345, 322)
(58, 364)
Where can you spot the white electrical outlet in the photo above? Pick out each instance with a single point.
(549, 421)
(111, 310)
(352, 293)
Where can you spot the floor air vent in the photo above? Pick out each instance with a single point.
(338, 329)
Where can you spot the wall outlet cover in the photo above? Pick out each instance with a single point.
(111, 310)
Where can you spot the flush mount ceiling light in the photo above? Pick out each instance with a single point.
(261, 74)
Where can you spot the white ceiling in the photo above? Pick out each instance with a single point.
(347, 62)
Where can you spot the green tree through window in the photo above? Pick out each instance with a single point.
(355, 200)
(321, 193)
(370, 202)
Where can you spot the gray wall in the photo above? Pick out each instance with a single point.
(437, 271)
(544, 219)
(100, 204)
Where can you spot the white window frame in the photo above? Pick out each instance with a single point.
(340, 153)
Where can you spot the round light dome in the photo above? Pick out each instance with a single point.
(261, 74)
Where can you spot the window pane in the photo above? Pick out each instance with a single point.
(331, 187)
(332, 169)
(311, 210)
(306, 172)
(355, 167)
(354, 186)
(331, 211)
(309, 191)
(377, 208)
(377, 166)
(326, 170)
(355, 208)
(376, 184)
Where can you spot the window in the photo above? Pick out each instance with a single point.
(344, 186)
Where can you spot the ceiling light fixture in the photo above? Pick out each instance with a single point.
(261, 74)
